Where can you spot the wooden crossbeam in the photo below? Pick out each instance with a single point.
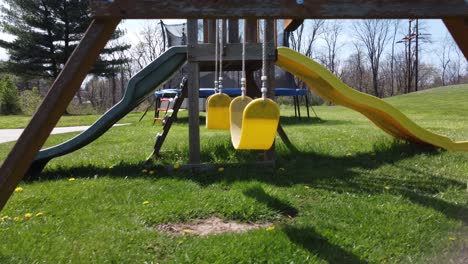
(288, 9)
(57, 99)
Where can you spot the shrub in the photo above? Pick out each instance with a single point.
(30, 101)
(9, 99)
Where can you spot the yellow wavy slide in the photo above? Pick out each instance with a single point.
(382, 114)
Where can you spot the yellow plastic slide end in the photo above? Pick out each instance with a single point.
(217, 111)
(255, 127)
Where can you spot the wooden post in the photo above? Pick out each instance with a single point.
(57, 99)
(193, 93)
(224, 30)
(233, 25)
(250, 30)
(209, 32)
(250, 35)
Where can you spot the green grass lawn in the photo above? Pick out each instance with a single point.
(351, 194)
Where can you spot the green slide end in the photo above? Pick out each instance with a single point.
(139, 87)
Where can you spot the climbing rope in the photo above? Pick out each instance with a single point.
(264, 66)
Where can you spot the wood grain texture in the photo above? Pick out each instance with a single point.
(287, 9)
(193, 93)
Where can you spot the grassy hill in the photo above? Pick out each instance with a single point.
(351, 194)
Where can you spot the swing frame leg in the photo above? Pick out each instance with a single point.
(54, 104)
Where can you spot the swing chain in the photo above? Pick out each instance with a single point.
(264, 78)
(221, 42)
(216, 58)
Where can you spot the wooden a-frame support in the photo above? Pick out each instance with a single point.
(107, 15)
(54, 104)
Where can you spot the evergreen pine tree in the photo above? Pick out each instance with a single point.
(46, 33)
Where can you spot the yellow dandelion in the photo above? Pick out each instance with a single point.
(387, 187)
(187, 231)
(151, 172)
(220, 169)
(18, 189)
(5, 217)
(270, 228)
(17, 219)
(39, 214)
(306, 187)
(71, 179)
(146, 202)
(176, 166)
(452, 238)
(144, 170)
(27, 215)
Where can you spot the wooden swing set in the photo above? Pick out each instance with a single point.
(108, 13)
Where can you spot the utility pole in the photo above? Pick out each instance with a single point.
(413, 34)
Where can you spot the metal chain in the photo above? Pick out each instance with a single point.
(221, 47)
(243, 79)
(216, 58)
(264, 70)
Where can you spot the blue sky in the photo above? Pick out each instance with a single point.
(429, 54)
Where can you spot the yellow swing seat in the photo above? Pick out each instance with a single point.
(217, 111)
(253, 123)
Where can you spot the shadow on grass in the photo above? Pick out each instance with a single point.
(283, 207)
(292, 120)
(340, 174)
(335, 173)
(313, 242)
(284, 120)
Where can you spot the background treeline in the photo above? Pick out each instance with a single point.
(379, 57)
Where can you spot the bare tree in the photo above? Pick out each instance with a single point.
(401, 64)
(150, 45)
(444, 57)
(395, 26)
(374, 35)
(303, 43)
(333, 30)
(302, 40)
(455, 67)
(354, 71)
(428, 74)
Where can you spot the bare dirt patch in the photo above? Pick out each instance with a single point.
(210, 226)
